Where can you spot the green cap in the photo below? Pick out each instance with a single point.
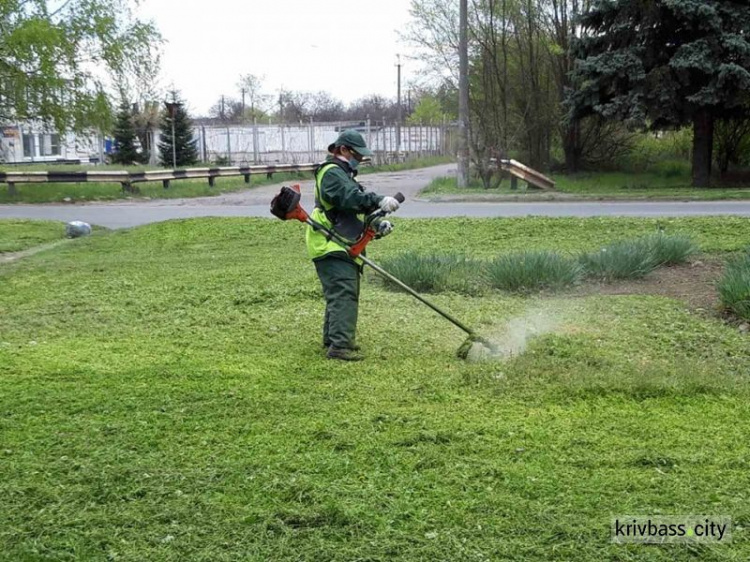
(353, 140)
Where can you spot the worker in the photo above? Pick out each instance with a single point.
(339, 203)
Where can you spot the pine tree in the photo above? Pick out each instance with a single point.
(126, 152)
(185, 145)
(665, 64)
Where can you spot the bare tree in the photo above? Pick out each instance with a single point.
(253, 102)
(375, 107)
(562, 26)
(227, 110)
(324, 107)
(296, 106)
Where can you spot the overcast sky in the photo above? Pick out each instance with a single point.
(346, 48)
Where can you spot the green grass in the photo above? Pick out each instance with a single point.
(57, 192)
(21, 234)
(734, 287)
(163, 397)
(408, 165)
(600, 185)
(484, 238)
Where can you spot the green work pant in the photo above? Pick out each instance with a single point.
(340, 279)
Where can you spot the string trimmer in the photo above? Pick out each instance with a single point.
(286, 206)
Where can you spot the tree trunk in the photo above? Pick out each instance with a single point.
(571, 148)
(703, 143)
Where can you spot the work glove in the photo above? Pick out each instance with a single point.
(389, 204)
(384, 228)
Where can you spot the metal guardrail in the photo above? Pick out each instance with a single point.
(127, 179)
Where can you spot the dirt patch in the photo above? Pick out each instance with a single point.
(694, 283)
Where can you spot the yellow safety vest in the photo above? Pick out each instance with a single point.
(318, 244)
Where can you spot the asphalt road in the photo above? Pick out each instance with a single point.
(255, 203)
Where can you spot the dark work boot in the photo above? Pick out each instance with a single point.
(343, 354)
(354, 346)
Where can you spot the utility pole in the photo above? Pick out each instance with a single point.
(172, 109)
(398, 110)
(243, 104)
(463, 96)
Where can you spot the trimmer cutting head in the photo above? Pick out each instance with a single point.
(476, 348)
(286, 204)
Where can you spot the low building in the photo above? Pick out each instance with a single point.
(28, 144)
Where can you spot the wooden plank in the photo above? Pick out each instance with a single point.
(527, 174)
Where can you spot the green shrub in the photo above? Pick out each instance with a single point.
(532, 271)
(670, 249)
(734, 287)
(650, 151)
(672, 169)
(626, 259)
(434, 272)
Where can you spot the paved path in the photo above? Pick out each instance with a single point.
(255, 202)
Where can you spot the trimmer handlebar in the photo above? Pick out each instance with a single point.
(380, 213)
(286, 206)
(369, 233)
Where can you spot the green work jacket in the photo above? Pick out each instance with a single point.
(339, 203)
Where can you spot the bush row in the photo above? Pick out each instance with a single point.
(530, 271)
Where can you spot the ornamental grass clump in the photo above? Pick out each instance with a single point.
(433, 273)
(626, 259)
(670, 249)
(734, 287)
(529, 271)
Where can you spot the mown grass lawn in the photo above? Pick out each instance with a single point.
(58, 192)
(21, 234)
(163, 396)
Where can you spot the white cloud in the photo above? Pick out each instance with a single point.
(348, 49)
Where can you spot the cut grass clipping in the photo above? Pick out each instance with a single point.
(734, 287)
(537, 270)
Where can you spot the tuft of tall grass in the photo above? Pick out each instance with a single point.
(626, 259)
(528, 271)
(670, 249)
(734, 287)
(434, 272)
(634, 259)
